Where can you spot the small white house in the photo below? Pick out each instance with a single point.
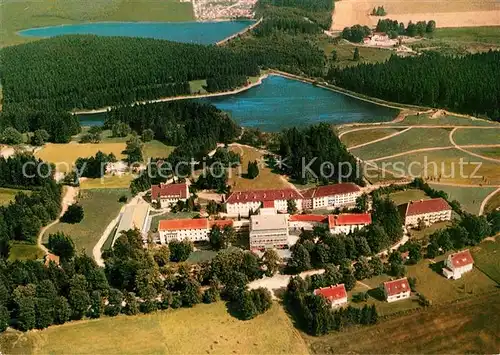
(397, 290)
(458, 263)
(335, 295)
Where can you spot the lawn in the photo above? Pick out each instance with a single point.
(359, 137)
(23, 14)
(464, 136)
(65, 155)
(486, 152)
(20, 251)
(180, 215)
(415, 138)
(469, 326)
(107, 182)
(401, 197)
(487, 258)
(100, 207)
(493, 203)
(8, 195)
(469, 34)
(470, 198)
(266, 178)
(203, 329)
(198, 86)
(444, 166)
(156, 149)
(445, 120)
(427, 231)
(345, 52)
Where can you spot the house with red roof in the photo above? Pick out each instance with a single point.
(330, 196)
(346, 223)
(336, 295)
(457, 264)
(428, 211)
(244, 203)
(194, 230)
(168, 194)
(298, 222)
(397, 290)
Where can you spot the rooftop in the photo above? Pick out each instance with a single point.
(461, 258)
(332, 293)
(414, 208)
(268, 221)
(331, 190)
(349, 219)
(308, 218)
(263, 195)
(169, 190)
(182, 224)
(396, 287)
(134, 216)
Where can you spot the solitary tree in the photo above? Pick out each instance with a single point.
(252, 170)
(61, 245)
(73, 215)
(356, 54)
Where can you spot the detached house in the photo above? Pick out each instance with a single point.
(428, 211)
(397, 290)
(167, 194)
(335, 295)
(458, 263)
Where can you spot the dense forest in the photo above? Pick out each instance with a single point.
(317, 154)
(92, 71)
(467, 84)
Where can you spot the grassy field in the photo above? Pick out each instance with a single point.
(198, 86)
(493, 203)
(401, 197)
(203, 329)
(156, 149)
(469, 34)
(266, 179)
(415, 138)
(20, 251)
(445, 120)
(444, 166)
(359, 137)
(65, 155)
(469, 197)
(486, 152)
(8, 195)
(100, 206)
(427, 231)
(23, 14)
(345, 53)
(465, 136)
(487, 258)
(180, 215)
(107, 182)
(464, 327)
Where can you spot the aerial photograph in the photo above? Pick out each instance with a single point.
(256, 177)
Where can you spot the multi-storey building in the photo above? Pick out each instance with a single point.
(244, 203)
(397, 290)
(331, 196)
(457, 264)
(346, 223)
(194, 230)
(268, 231)
(168, 194)
(426, 211)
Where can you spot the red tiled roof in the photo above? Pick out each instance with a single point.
(332, 293)
(309, 193)
(461, 258)
(268, 204)
(164, 190)
(263, 195)
(221, 223)
(179, 224)
(426, 206)
(396, 287)
(349, 219)
(336, 189)
(308, 218)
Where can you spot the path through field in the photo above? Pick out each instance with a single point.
(486, 199)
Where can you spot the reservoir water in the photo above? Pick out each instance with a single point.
(187, 32)
(283, 103)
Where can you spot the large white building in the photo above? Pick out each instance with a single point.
(335, 295)
(168, 194)
(268, 231)
(397, 290)
(194, 230)
(133, 216)
(241, 203)
(457, 264)
(427, 211)
(330, 196)
(346, 223)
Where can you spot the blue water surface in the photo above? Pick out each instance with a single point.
(187, 32)
(282, 103)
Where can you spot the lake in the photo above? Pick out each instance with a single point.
(282, 103)
(187, 32)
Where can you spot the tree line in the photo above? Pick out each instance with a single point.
(466, 84)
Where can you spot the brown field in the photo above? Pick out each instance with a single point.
(446, 13)
(470, 326)
(266, 179)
